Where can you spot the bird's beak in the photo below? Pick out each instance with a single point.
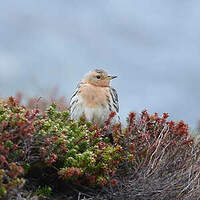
(111, 77)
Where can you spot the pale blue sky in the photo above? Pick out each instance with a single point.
(153, 47)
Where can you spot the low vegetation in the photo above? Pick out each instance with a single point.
(45, 155)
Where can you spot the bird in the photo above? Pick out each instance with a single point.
(95, 99)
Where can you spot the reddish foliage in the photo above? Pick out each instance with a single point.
(111, 115)
(146, 132)
(70, 172)
(140, 145)
(113, 182)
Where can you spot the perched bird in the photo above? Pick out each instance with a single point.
(95, 99)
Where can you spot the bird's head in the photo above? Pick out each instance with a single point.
(98, 77)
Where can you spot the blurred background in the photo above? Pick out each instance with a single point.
(153, 47)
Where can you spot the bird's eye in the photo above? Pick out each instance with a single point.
(98, 77)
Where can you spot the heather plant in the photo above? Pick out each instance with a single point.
(147, 134)
(16, 137)
(51, 140)
(43, 103)
(151, 158)
(44, 192)
(163, 160)
(77, 149)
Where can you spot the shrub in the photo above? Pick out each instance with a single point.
(75, 149)
(147, 134)
(165, 160)
(16, 139)
(151, 158)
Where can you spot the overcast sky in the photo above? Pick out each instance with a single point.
(153, 47)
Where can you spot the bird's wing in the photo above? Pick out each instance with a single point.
(74, 93)
(74, 98)
(114, 99)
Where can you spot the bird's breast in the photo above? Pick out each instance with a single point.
(94, 96)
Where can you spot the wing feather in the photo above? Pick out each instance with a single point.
(74, 100)
(114, 99)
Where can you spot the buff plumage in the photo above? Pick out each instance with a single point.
(95, 98)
